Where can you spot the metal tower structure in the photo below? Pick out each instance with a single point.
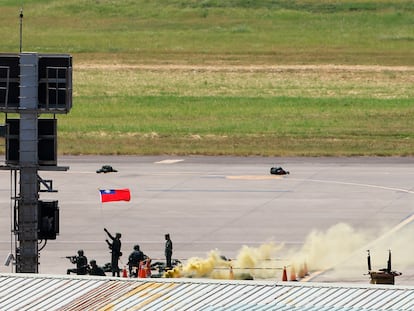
(33, 84)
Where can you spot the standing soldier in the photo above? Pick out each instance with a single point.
(168, 251)
(115, 248)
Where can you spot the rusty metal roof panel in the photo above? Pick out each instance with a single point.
(34, 293)
(202, 294)
(180, 293)
(82, 293)
(101, 293)
(144, 297)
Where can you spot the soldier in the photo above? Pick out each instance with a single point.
(115, 248)
(168, 251)
(81, 264)
(94, 269)
(134, 260)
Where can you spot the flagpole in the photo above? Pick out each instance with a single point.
(101, 210)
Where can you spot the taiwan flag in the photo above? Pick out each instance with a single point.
(115, 195)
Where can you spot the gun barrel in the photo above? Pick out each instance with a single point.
(389, 262)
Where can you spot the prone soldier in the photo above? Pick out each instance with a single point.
(94, 269)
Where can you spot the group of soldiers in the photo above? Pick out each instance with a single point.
(82, 266)
(114, 244)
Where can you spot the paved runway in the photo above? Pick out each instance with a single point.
(326, 212)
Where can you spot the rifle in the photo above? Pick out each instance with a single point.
(71, 258)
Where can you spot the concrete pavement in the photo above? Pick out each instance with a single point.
(327, 211)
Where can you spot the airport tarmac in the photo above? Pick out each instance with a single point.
(330, 209)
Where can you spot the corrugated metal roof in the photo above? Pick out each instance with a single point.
(73, 293)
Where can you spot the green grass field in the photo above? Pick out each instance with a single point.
(234, 77)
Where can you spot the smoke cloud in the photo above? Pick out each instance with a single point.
(340, 250)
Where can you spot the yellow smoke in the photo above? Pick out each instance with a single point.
(212, 266)
(259, 262)
(340, 248)
(251, 262)
(325, 249)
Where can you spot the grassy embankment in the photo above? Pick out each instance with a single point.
(197, 77)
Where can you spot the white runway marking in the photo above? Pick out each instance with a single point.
(170, 161)
(356, 184)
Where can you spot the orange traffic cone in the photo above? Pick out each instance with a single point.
(284, 276)
(142, 273)
(292, 274)
(148, 267)
(231, 276)
(305, 268)
(301, 273)
(124, 273)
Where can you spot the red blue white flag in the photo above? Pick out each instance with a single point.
(115, 195)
